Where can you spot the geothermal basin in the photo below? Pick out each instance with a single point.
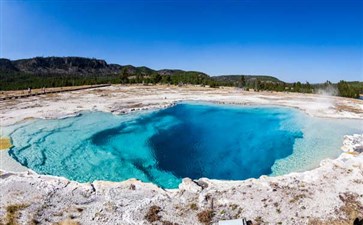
(189, 139)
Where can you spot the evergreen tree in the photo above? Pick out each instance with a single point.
(242, 82)
(346, 90)
(155, 78)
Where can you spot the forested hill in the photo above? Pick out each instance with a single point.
(66, 71)
(59, 65)
(77, 66)
(233, 79)
(73, 71)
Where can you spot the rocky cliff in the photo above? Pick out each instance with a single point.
(76, 66)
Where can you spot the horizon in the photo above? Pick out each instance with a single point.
(294, 41)
(268, 75)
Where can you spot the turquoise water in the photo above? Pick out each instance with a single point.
(186, 140)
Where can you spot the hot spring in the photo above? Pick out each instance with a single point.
(187, 140)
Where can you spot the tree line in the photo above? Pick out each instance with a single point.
(342, 88)
(20, 80)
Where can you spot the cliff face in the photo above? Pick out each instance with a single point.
(63, 65)
(77, 66)
(7, 66)
(90, 66)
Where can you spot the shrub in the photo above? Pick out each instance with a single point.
(153, 214)
(205, 216)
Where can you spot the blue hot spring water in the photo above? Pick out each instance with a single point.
(186, 140)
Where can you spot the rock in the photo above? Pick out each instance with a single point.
(353, 143)
(202, 183)
(190, 186)
(358, 221)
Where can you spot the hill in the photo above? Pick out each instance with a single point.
(67, 71)
(236, 78)
(41, 72)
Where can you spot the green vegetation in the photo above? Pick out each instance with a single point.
(230, 80)
(350, 90)
(266, 83)
(75, 71)
(262, 83)
(21, 81)
(242, 81)
(41, 72)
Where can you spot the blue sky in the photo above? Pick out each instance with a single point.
(306, 40)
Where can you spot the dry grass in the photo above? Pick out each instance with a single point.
(297, 198)
(193, 206)
(348, 213)
(347, 108)
(68, 222)
(153, 214)
(168, 223)
(13, 213)
(205, 216)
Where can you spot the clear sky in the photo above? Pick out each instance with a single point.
(306, 40)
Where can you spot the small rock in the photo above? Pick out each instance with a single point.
(189, 186)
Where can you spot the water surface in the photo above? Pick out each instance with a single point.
(186, 140)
